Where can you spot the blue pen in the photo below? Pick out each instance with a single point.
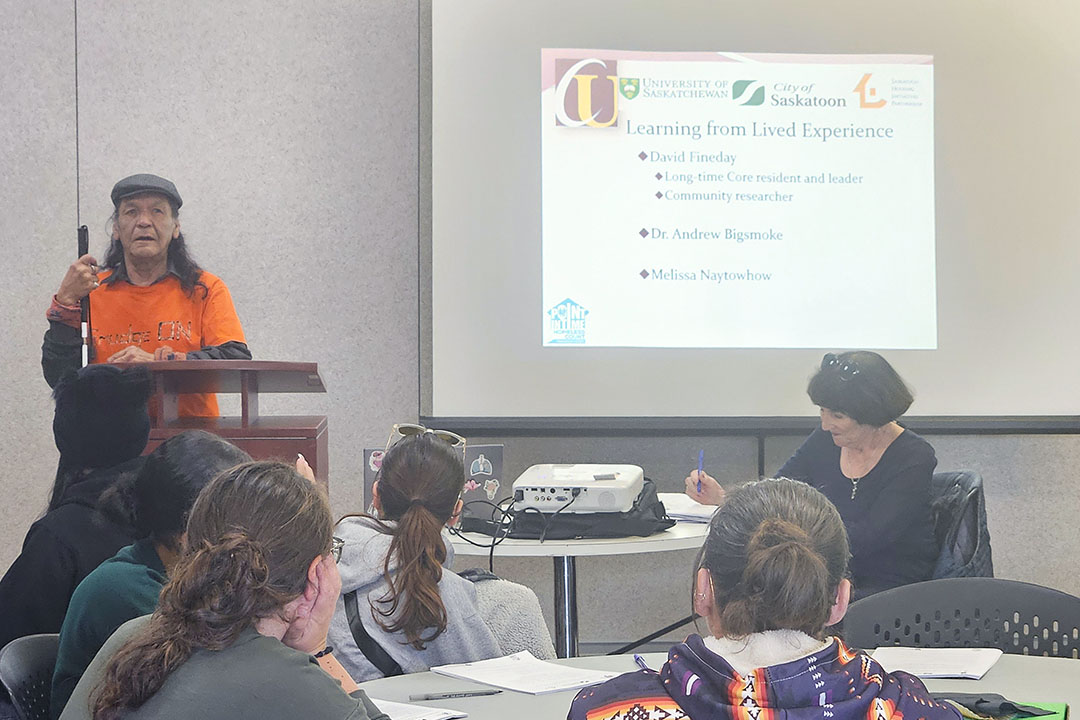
(700, 468)
(641, 662)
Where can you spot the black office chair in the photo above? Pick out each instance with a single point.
(959, 506)
(26, 671)
(1020, 618)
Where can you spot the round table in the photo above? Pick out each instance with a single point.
(682, 536)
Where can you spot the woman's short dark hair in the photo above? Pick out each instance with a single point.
(776, 553)
(862, 385)
(172, 477)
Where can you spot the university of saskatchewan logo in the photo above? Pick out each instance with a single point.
(568, 322)
(748, 92)
(629, 87)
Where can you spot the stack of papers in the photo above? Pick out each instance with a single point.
(406, 711)
(970, 663)
(680, 506)
(524, 673)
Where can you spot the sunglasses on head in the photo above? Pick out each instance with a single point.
(404, 430)
(336, 546)
(847, 369)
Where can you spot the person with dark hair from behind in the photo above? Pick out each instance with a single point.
(403, 609)
(876, 472)
(771, 579)
(151, 301)
(240, 630)
(100, 427)
(128, 584)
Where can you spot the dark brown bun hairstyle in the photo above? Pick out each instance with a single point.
(776, 553)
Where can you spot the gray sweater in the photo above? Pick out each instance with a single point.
(256, 677)
(466, 638)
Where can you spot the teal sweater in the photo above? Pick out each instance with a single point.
(123, 587)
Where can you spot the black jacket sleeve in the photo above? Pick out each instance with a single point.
(60, 351)
(231, 350)
(36, 589)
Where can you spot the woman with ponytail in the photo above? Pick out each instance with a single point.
(402, 609)
(242, 619)
(771, 580)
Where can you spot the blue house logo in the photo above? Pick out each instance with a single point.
(568, 322)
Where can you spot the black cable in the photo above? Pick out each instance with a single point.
(547, 524)
(502, 524)
(652, 636)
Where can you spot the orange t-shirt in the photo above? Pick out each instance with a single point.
(122, 314)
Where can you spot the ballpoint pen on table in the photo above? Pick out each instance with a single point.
(459, 694)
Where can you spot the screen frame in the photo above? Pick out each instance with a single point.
(556, 426)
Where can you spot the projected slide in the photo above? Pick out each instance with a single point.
(723, 200)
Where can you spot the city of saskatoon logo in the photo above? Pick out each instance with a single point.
(629, 87)
(748, 92)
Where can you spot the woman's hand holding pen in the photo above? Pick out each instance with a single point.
(711, 491)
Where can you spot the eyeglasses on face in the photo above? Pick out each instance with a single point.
(847, 369)
(336, 546)
(404, 430)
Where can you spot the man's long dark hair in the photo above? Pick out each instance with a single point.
(180, 260)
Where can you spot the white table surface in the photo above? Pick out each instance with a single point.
(1017, 677)
(682, 536)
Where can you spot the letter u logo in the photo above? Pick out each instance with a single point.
(605, 113)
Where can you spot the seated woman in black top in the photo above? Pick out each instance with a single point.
(876, 473)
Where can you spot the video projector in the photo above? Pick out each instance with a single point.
(593, 488)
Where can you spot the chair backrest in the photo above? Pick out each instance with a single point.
(960, 525)
(26, 671)
(1020, 618)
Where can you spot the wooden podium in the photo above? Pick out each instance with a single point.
(274, 437)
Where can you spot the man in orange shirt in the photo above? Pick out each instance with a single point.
(150, 301)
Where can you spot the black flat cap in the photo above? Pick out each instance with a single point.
(145, 183)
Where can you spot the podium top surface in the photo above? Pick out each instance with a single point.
(226, 376)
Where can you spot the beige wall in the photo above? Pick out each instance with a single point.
(290, 129)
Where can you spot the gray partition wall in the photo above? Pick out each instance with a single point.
(1032, 494)
(290, 130)
(37, 214)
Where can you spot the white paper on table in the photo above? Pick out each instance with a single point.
(969, 663)
(524, 673)
(681, 506)
(408, 711)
